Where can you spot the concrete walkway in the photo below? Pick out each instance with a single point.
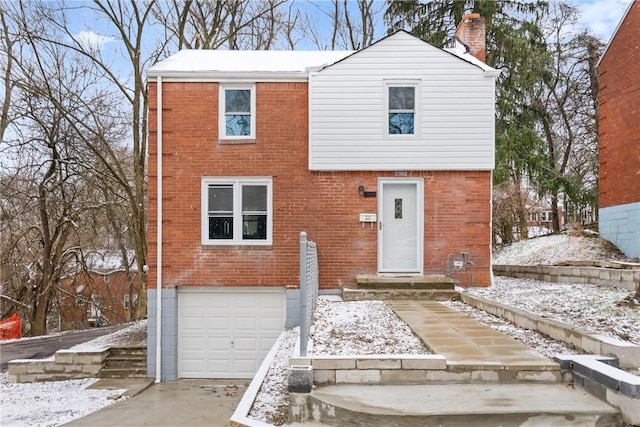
(465, 341)
(177, 403)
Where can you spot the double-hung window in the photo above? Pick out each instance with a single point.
(402, 99)
(237, 211)
(237, 112)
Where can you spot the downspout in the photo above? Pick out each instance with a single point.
(159, 233)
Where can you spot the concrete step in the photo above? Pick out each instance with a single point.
(125, 362)
(406, 282)
(349, 294)
(128, 351)
(461, 405)
(137, 372)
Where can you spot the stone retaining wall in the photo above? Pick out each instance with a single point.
(628, 354)
(619, 278)
(64, 365)
(414, 369)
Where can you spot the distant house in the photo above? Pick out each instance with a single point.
(100, 295)
(383, 156)
(618, 136)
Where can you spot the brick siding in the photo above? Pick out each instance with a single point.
(324, 204)
(619, 139)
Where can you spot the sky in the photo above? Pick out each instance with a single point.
(601, 16)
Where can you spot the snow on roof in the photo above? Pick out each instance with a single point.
(270, 64)
(105, 262)
(193, 62)
(460, 50)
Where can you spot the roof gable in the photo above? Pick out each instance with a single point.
(458, 51)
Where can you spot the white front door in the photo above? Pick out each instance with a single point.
(400, 228)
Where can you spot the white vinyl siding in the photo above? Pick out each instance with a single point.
(349, 117)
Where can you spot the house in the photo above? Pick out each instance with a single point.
(383, 156)
(618, 137)
(102, 294)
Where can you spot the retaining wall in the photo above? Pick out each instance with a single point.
(619, 278)
(64, 365)
(415, 369)
(627, 353)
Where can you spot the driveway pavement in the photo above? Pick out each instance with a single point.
(178, 403)
(43, 347)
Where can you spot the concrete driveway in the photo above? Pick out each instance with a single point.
(178, 403)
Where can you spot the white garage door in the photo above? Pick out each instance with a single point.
(227, 332)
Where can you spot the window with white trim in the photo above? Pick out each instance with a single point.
(402, 112)
(237, 106)
(237, 211)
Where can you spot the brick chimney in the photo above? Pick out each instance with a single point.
(471, 33)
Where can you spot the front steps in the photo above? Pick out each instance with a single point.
(431, 287)
(125, 362)
(455, 405)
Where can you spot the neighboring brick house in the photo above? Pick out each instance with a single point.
(618, 136)
(100, 295)
(258, 146)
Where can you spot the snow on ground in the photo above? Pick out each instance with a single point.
(272, 402)
(53, 403)
(556, 248)
(592, 307)
(361, 327)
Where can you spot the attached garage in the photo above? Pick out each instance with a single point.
(227, 332)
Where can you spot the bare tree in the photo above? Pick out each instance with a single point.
(569, 114)
(235, 24)
(344, 24)
(50, 177)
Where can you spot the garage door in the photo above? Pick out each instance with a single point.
(227, 332)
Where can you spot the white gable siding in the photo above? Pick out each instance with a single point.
(454, 120)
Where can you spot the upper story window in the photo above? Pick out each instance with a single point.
(237, 111)
(237, 211)
(402, 100)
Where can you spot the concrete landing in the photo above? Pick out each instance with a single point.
(464, 341)
(460, 405)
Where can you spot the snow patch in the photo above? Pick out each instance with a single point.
(550, 250)
(49, 404)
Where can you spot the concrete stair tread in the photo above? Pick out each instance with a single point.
(405, 282)
(350, 294)
(462, 404)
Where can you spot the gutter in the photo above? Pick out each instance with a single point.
(159, 234)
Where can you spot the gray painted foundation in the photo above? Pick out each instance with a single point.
(169, 339)
(621, 226)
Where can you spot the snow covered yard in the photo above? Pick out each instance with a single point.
(49, 404)
(593, 307)
(361, 327)
(53, 403)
